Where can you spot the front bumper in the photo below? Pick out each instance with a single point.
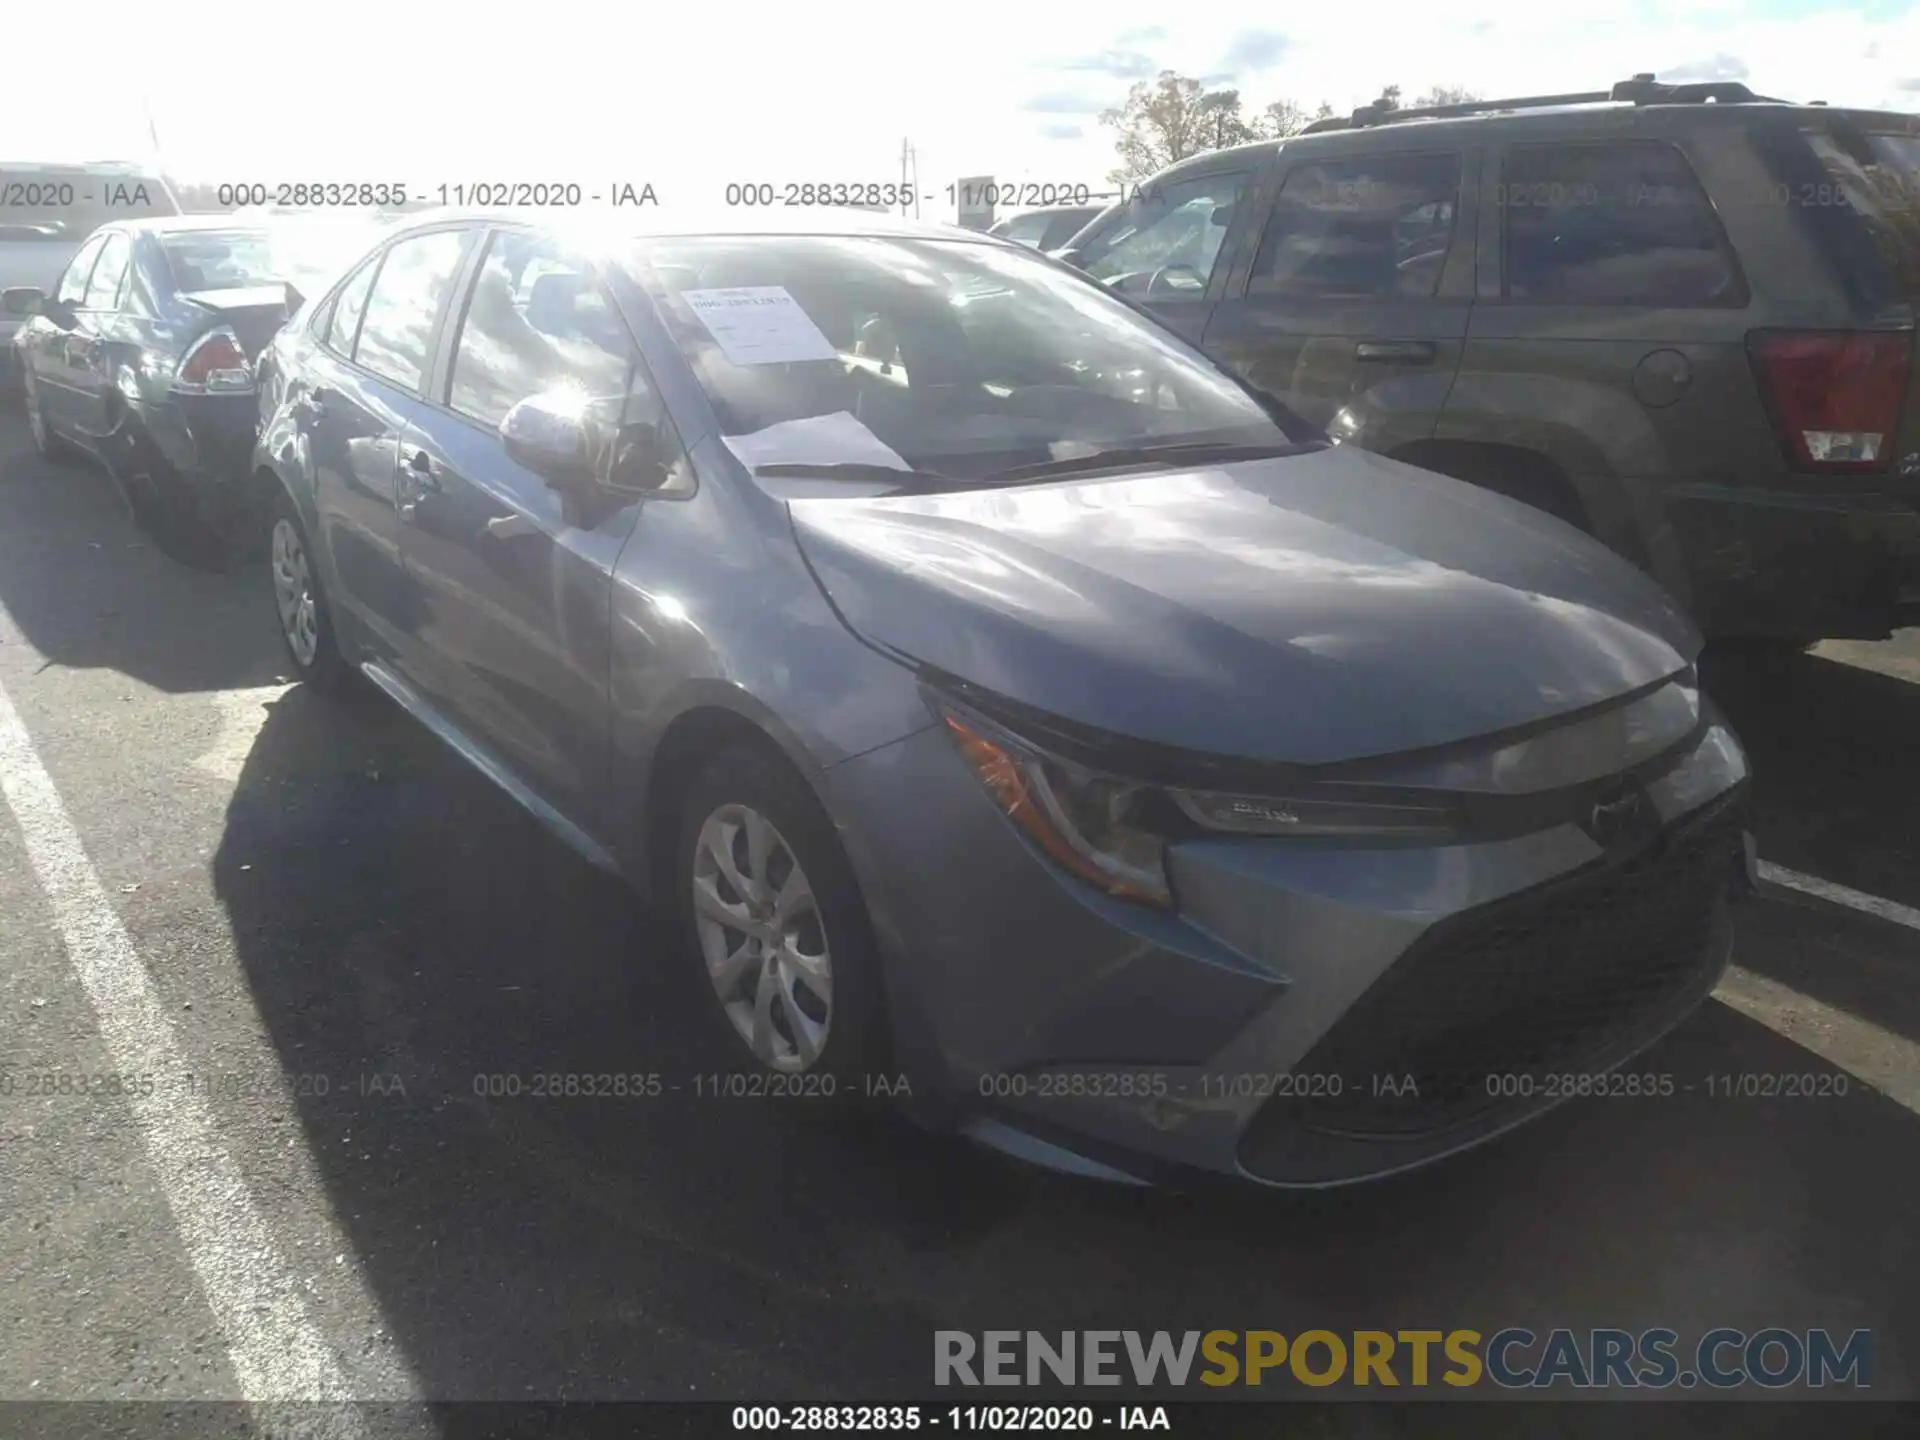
(1270, 1029)
(1815, 564)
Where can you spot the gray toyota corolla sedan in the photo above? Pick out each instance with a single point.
(998, 694)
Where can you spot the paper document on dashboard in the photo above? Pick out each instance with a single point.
(836, 439)
(759, 325)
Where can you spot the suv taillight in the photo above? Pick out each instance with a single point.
(215, 362)
(1836, 395)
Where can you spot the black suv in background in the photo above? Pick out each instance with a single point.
(1679, 316)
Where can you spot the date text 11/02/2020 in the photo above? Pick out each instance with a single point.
(461, 194)
(1615, 1084)
(890, 194)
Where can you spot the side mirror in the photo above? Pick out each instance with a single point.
(1222, 216)
(551, 435)
(1072, 256)
(22, 299)
(295, 300)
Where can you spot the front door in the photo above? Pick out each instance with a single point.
(1354, 307)
(514, 575)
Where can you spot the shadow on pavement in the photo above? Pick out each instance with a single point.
(397, 917)
(90, 591)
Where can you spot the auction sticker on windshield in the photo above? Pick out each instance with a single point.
(759, 325)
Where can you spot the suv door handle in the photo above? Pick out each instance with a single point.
(1396, 352)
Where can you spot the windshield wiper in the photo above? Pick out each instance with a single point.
(858, 470)
(1186, 453)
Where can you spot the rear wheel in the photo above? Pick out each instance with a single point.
(300, 602)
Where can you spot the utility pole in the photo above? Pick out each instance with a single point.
(910, 176)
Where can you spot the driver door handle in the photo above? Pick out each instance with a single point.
(1396, 352)
(509, 527)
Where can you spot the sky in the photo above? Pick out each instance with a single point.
(694, 97)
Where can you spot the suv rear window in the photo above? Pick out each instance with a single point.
(70, 205)
(1877, 177)
(1622, 223)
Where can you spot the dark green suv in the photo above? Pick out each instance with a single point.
(1679, 316)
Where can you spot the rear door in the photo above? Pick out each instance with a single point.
(356, 395)
(52, 348)
(1353, 308)
(89, 349)
(1171, 247)
(513, 574)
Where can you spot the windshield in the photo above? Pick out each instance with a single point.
(39, 204)
(954, 356)
(304, 254)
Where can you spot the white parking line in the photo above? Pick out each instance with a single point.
(278, 1354)
(1840, 895)
(1888, 1062)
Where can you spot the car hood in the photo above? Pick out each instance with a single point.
(1305, 609)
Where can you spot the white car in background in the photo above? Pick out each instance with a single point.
(47, 210)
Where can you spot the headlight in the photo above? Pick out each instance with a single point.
(1113, 832)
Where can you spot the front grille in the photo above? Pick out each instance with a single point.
(1530, 987)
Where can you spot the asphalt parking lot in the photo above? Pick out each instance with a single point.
(313, 928)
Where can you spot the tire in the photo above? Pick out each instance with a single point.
(50, 446)
(729, 788)
(304, 617)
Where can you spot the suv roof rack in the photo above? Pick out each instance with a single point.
(1642, 89)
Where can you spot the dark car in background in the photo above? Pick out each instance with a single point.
(47, 211)
(992, 690)
(141, 356)
(1681, 317)
(1045, 229)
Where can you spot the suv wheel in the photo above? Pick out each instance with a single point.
(306, 622)
(774, 924)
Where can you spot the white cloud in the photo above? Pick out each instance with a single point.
(693, 97)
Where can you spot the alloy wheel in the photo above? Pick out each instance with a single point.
(293, 593)
(762, 938)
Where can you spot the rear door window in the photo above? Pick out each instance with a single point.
(343, 324)
(408, 294)
(73, 284)
(103, 289)
(1377, 228)
(1623, 223)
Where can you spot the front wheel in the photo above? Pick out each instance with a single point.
(300, 601)
(773, 921)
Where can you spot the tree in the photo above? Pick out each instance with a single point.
(1167, 119)
(1282, 118)
(1446, 95)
